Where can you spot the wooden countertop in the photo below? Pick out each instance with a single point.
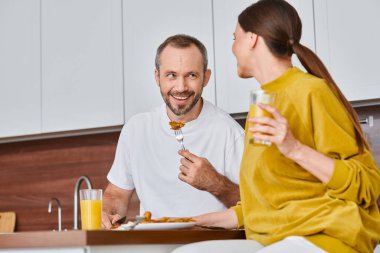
(77, 238)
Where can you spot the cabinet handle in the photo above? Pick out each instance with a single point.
(367, 121)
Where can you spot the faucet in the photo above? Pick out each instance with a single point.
(76, 193)
(59, 211)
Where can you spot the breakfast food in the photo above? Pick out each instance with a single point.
(148, 216)
(167, 219)
(148, 219)
(176, 125)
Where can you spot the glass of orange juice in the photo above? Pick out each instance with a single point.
(91, 209)
(256, 97)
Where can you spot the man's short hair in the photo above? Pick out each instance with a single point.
(182, 41)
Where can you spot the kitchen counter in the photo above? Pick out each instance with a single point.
(78, 238)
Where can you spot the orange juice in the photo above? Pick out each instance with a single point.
(256, 111)
(91, 214)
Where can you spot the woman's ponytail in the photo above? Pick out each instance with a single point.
(315, 66)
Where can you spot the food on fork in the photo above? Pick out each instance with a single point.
(176, 125)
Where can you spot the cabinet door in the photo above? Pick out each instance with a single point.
(347, 40)
(146, 25)
(20, 84)
(82, 80)
(232, 91)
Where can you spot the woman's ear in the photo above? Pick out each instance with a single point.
(253, 39)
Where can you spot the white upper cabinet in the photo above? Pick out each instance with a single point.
(305, 11)
(347, 40)
(81, 64)
(232, 91)
(20, 99)
(82, 78)
(146, 25)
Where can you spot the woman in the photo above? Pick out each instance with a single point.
(315, 188)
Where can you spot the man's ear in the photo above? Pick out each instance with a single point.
(157, 77)
(206, 77)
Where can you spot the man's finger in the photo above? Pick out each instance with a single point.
(186, 162)
(182, 177)
(183, 169)
(115, 218)
(106, 222)
(189, 156)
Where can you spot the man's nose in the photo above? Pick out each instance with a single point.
(181, 84)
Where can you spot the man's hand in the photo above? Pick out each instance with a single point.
(109, 219)
(115, 204)
(199, 173)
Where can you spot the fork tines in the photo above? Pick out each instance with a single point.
(179, 136)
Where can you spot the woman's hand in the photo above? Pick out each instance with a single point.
(225, 219)
(275, 130)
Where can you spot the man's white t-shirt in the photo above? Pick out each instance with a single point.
(147, 159)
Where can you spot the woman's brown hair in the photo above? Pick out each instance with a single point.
(278, 23)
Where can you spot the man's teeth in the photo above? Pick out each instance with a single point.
(180, 98)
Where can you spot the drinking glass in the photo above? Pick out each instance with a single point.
(91, 209)
(256, 97)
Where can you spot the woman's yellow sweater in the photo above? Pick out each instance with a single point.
(279, 198)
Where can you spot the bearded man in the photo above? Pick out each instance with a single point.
(168, 181)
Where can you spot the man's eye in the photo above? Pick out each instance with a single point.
(193, 76)
(171, 75)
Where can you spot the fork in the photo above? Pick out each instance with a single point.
(136, 222)
(179, 136)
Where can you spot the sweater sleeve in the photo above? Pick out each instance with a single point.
(356, 176)
(356, 179)
(239, 213)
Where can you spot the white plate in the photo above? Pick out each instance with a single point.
(159, 226)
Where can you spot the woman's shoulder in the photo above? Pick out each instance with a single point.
(310, 82)
(307, 85)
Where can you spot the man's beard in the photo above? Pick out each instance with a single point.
(182, 109)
